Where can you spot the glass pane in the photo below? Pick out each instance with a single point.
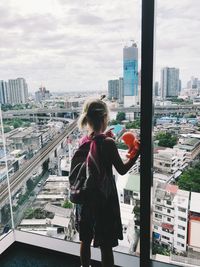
(6, 167)
(66, 51)
(175, 217)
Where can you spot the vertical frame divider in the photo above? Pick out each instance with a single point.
(146, 161)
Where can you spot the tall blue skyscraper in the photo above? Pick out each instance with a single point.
(130, 69)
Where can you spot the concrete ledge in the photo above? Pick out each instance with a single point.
(6, 240)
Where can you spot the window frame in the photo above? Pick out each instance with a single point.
(146, 157)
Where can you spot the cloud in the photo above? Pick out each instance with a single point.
(79, 44)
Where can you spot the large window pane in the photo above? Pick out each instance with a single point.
(175, 212)
(66, 51)
(6, 220)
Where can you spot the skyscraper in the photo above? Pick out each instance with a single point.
(130, 69)
(169, 82)
(121, 91)
(3, 92)
(156, 89)
(42, 94)
(14, 91)
(113, 89)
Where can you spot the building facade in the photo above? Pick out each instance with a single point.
(15, 91)
(170, 212)
(169, 82)
(121, 91)
(113, 89)
(130, 71)
(42, 94)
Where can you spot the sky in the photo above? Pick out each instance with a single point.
(74, 45)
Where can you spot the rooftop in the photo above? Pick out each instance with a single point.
(133, 182)
(194, 202)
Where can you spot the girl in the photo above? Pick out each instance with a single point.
(100, 220)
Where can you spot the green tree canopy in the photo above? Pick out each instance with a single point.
(166, 139)
(7, 129)
(120, 116)
(30, 184)
(190, 179)
(113, 122)
(67, 205)
(133, 124)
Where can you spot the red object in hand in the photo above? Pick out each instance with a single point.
(132, 143)
(109, 133)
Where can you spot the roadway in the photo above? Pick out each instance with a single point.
(158, 110)
(18, 177)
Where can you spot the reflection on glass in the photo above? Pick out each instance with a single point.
(176, 192)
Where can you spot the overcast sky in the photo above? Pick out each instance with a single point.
(78, 44)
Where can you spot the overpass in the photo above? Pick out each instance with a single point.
(53, 112)
(23, 173)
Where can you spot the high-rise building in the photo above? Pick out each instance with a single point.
(193, 83)
(113, 89)
(180, 86)
(156, 89)
(3, 92)
(121, 91)
(169, 82)
(15, 91)
(42, 94)
(130, 70)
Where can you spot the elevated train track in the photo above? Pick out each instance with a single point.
(39, 158)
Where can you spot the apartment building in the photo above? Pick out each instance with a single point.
(170, 160)
(194, 223)
(191, 146)
(170, 211)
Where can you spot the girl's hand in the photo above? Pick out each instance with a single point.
(133, 150)
(109, 133)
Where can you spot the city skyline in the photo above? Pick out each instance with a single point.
(65, 44)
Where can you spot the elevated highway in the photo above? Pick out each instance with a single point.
(158, 110)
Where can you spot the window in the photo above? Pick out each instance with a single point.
(181, 236)
(159, 208)
(180, 244)
(169, 202)
(165, 237)
(181, 227)
(181, 209)
(176, 191)
(177, 57)
(182, 219)
(159, 216)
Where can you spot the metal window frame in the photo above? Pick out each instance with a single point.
(147, 53)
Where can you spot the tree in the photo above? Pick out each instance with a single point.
(158, 249)
(113, 122)
(166, 139)
(133, 124)
(120, 116)
(7, 129)
(190, 179)
(67, 205)
(30, 184)
(17, 124)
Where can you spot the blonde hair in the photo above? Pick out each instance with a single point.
(94, 112)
